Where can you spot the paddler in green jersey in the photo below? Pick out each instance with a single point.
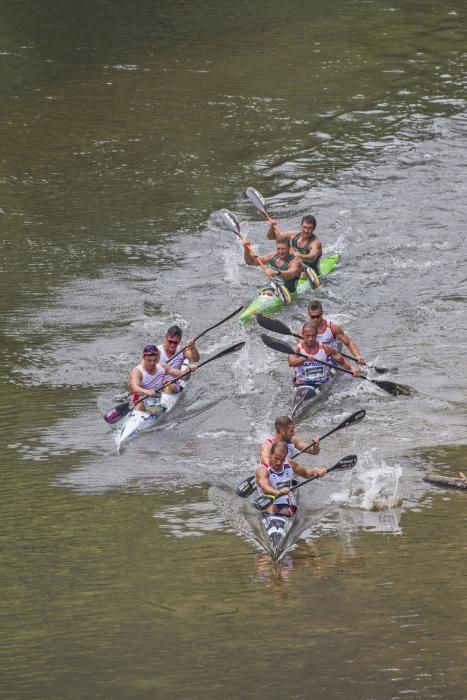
(306, 246)
(283, 265)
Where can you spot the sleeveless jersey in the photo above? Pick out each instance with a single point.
(288, 284)
(327, 337)
(312, 372)
(304, 250)
(290, 446)
(150, 381)
(279, 480)
(176, 362)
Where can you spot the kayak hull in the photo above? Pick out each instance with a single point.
(306, 396)
(276, 528)
(138, 422)
(271, 303)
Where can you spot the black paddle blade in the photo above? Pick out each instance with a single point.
(393, 388)
(117, 412)
(344, 463)
(230, 220)
(383, 370)
(278, 345)
(272, 324)
(246, 487)
(262, 502)
(227, 351)
(356, 417)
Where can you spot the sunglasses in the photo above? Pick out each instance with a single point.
(172, 342)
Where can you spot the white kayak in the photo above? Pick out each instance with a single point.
(137, 422)
(276, 528)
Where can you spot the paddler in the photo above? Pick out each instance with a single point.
(285, 432)
(149, 377)
(171, 352)
(329, 332)
(305, 244)
(283, 265)
(309, 370)
(274, 478)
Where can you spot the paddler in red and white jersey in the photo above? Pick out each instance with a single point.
(329, 332)
(310, 370)
(149, 377)
(285, 432)
(274, 478)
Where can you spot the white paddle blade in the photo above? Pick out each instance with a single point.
(256, 199)
(230, 220)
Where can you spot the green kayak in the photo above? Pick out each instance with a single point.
(271, 303)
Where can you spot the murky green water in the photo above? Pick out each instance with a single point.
(124, 128)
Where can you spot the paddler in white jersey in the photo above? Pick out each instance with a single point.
(309, 370)
(149, 377)
(171, 352)
(285, 432)
(329, 332)
(274, 478)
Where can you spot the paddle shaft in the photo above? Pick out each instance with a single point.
(351, 420)
(233, 225)
(211, 328)
(257, 199)
(312, 478)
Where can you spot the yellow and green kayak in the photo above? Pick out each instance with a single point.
(270, 303)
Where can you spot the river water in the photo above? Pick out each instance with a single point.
(124, 129)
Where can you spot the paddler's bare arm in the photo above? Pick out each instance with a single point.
(344, 338)
(253, 260)
(135, 384)
(331, 352)
(265, 452)
(177, 372)
(293, 271)
(306, 472)
(295, 360)
(262, 479)
(315, 252)
(300, 445)
(191, 352)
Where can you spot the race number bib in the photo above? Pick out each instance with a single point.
(314, 373)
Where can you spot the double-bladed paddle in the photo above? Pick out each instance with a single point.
(247, 486)
(259, 202)
(232, 223)
(390, 387)
(211, 328)
(121, 410)
(265, 500)
(272, 324)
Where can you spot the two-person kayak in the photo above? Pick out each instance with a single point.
(269, 302)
